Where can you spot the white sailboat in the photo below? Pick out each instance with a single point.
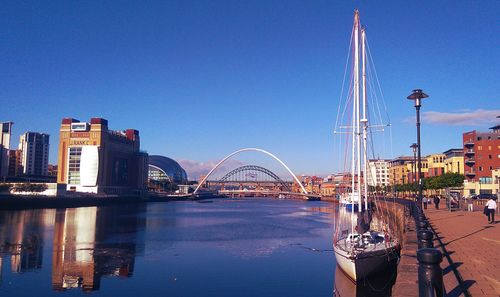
(362, 247)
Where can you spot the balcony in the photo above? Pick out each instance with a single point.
(469, 153)
(468, 143)
(470, 161)
(470, 174)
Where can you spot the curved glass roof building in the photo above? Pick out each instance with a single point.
(162, 168)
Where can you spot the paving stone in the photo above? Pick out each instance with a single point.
(474, 244)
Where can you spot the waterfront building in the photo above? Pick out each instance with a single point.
(482, 154)
(328, 187)
(164, 171)
(5, 134)
(15, 165)
(400, 170)
(454, 161)
(161, 168)
(52, 170)
(435, 165)
(343, 182)
(95, 159)
(484, 186)
(378, 173)
(35, 153)
(312, 184)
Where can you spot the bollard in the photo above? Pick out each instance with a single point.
(422, 225)
(425, 239)
(430, 274)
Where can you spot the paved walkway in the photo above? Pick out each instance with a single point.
(474, 247)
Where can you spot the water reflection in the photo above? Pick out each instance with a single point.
(21, 241)
(225, 248)
(86, 248)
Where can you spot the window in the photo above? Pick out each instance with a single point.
(489, 156)
(479, 148)
(491, 167)
(75, 154)
(489, 147)
(480, 168)
(479, 138)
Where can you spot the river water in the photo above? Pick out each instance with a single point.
(221, 247)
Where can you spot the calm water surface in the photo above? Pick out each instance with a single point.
(255, 247)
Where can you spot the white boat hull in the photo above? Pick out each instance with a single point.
(366, 263)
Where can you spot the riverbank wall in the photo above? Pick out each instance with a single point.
(16, 202)
(401, 217)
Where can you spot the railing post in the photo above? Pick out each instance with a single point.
(425, 239)
(430, 274)
(422, 225)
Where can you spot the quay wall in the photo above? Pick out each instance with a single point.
(400, 214)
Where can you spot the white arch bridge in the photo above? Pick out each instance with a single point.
(234, 175)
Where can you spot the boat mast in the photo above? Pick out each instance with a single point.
(356, 106)
(353, 131)
(364, 120)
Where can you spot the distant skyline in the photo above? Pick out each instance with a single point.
(200, 79)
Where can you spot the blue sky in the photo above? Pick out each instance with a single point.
(201, 79)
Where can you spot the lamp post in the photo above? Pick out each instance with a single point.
(414, 147)
(417, 96)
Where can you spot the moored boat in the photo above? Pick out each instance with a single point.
(363, 244)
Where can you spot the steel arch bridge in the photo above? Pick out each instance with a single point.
(253, 174)
(202, 182)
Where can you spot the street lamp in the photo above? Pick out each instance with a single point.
(414, 147)
(417, 96)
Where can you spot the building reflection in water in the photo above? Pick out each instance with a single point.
(93, 242)
(21, 239)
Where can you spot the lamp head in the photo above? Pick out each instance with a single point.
(414, 147)
(417, 95)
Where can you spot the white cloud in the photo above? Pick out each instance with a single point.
(195, 169)
(479, 117)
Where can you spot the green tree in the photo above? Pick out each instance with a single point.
(29, 187)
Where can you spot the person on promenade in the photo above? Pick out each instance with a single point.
(470, 204)
(436, 201)
(491, 206)
(424, 201)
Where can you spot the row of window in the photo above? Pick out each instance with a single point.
(489, 138)
(480, 168)
(75, 154)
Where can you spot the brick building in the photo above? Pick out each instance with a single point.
(95, 159)
(481, 154)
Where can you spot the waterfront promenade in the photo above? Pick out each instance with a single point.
(474, 247)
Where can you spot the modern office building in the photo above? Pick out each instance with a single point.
(378, 173)
(5, 134)
(92, 158)
(35, 153)
(482, 154)
(454, 161)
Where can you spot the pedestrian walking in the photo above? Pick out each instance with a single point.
(436, 201)
(470, 204)
(490, 208)
(425, 200)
